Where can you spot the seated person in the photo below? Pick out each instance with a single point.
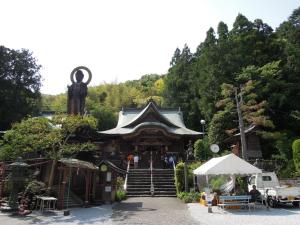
(23, 207)
(255, 194)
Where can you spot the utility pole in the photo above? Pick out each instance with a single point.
(241, 125)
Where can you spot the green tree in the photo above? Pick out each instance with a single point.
(201, 149)
(20, 83)
(178, 86)
(106, 118)
(51, 138)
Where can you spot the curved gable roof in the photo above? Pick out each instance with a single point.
(151, 108)
(170, 119)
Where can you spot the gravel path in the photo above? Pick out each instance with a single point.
(148, 211)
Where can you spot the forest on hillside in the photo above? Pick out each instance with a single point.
(251, 62)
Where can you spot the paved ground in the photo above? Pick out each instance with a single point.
(148, 211)
(159, 211)
(133, 211)
(284, 215)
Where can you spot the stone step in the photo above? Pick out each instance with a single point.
(138, 178)
(164, 188)
(142, 192)
(138, 189)
(166, 194)
(139, 183)
(138, 186)
(169, 173)
(155, 185)
(163, 181)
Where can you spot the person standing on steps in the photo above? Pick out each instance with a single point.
(136, 161)
(171, 160)
(166, 162)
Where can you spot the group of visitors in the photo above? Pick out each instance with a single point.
(135, 158)
(169, 160)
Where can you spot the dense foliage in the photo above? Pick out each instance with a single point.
(201, 149)
(261, 64)
(20, 83)
(50, 138)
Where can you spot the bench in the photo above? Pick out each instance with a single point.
(237, 200)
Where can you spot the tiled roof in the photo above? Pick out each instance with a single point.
(169, 119)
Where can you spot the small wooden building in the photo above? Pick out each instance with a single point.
(254, 150)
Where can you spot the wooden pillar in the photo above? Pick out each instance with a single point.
(91, 186)
(94, 185)
(87, 185)
(2, 178)
(63, 188)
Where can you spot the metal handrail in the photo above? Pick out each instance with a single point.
(126, 177)
(174, 167)
(151, 174)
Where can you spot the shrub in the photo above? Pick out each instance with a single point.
(120, 195)
(179, 177)
(120, 183)
(217, 182)
(296, 154)
(7, 188)
(35, 188)
(188, 197)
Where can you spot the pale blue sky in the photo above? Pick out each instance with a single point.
(119, 39)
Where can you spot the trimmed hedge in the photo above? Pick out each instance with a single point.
(179, 175)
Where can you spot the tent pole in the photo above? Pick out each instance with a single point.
(208, 196)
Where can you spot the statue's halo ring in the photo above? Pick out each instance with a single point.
(81, 68)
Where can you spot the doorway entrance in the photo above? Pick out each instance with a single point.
(154, 153)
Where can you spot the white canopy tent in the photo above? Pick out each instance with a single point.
(226, 165)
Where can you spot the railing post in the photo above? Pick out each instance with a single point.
(126, 177)
(151, 174)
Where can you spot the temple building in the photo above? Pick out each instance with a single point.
(151, 133)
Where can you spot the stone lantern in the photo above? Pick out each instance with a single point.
(17, 178)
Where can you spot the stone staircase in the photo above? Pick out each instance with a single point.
(139, 183)
(164, 183)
